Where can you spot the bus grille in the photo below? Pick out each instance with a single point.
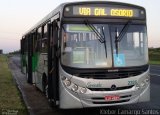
(111, 102)
(108, 75)
(109, 89)
(102, 98)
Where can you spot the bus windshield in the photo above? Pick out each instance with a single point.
(132, 48)
(82, 49)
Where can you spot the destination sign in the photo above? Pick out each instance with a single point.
(101, 11)
(98, 11)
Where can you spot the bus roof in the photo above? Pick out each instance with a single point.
(60, 8)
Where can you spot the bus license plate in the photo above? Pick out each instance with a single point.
(112, 98)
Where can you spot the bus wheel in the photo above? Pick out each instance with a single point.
(45, 85)
(46, 91)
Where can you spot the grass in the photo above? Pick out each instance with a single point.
(10, 98)
(154, 56)
(153, 62)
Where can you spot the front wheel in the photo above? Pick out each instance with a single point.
(45, 85)
(46, 91)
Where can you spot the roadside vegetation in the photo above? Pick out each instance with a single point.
(10, 97)
(154, 56)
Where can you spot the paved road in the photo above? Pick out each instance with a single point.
(152, 107)
(16, 60)
(155, 70)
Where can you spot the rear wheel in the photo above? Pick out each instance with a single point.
(45, 85)
(52, 103)
(46, 91)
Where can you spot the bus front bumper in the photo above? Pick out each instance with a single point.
(72, 100)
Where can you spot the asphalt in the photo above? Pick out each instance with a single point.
(155, 70)
(37, 104)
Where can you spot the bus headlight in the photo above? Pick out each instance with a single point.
(74, 88)
(137, 87)
(147, 79)
(83, 90)
(142, 84)
(67, 82)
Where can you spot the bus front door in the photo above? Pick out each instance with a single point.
(52, 62)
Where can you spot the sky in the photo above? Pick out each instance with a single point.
(18, 16)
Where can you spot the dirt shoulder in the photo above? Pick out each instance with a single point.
(35, 101)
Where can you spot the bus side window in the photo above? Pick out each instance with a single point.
(34, 42)
(38, 39)
(26, 45)
(44, 39)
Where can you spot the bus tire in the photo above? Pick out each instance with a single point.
(45, 85)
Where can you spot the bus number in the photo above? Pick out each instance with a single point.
(134, 82)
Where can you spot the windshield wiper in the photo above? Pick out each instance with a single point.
(99, 35)
(119, 36)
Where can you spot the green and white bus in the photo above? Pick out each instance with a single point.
(89, 54)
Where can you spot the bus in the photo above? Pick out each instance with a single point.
(89, 54)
